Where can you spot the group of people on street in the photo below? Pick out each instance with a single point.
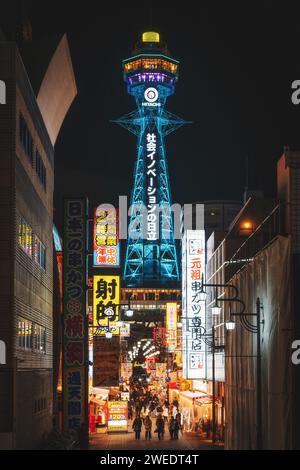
(173, 425)
(147, 408)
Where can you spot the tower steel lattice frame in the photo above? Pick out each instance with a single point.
(151, 262)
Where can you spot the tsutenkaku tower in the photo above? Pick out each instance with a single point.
(151, 255)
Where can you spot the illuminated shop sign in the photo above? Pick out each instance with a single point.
(151, 97)
(74, 314)
(151, 146)
(171, 326)
(193, 305)
(117, 416)
(106, 299)
(106, 244)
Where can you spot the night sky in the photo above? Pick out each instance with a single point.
(238, 60)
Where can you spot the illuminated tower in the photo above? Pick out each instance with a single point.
(151, 255)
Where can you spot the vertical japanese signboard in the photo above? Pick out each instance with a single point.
(74, 314)
(171, 325)
(106, 245)
(106, 299)
(193, 305)
(151, 146)
(106, 360)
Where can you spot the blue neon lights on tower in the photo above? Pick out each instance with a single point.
(151, 254)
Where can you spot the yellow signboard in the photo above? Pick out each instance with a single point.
(106, 299)
(171, 325)
(117, 416)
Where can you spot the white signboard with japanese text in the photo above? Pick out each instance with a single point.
(193, 305)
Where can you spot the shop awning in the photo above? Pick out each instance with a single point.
(194, 395)
(99, 391)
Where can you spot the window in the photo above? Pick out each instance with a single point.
(39, 252)
(25, 236)
(24, 334)
(26, 139)
(40, 404)
(39, 338)
(40, 169)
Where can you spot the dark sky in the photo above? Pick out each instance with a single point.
(238, 60)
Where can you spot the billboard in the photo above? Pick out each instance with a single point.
(106, 357)
(74, 355)
(106, 299)
(171, 326)
(106, 245)
(193, 305)
(117, 416)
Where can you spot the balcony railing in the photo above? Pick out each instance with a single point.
(264, 234)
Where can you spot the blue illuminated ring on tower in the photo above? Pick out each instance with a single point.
(151, 95)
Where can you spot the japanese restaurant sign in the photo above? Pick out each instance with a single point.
(74, 314)
(106, 244)
(117, 416)
(193, 305)
(171, 326)
(106, 299)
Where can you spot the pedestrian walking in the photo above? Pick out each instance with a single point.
(176, 429)
(166, 413)
(137, 427)
(171, 427)
(148, 427)
(160, 425)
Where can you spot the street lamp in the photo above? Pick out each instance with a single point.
(216, 309)
(255, 329)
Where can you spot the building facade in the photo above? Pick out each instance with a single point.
(26, 257)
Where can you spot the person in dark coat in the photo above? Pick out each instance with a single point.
(160, 425)
(137, 426)
(176, 428)
(148, 427)
(171, 427)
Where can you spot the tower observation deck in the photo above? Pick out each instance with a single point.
(151, 255)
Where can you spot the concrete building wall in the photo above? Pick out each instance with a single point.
(27, 288)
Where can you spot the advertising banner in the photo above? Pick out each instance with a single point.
(117, 416)
(106, 299)
(106, 245)
(193, 305)
(171, 326)
(74, 314)
(106, 362)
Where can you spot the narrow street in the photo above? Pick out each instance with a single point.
(126, 441)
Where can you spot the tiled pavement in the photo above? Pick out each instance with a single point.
(126, 441)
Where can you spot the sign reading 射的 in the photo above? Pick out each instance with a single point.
(106, 245)
(193, 305)
(171, 326)
(106, 299)
(74, 314)
(117, 416)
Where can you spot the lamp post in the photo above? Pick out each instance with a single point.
(254, 329)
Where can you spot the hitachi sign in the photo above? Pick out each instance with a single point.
(2, 92)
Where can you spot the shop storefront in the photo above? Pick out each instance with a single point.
(98, 410)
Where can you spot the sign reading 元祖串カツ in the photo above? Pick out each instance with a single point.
(74, 313)
(193, 305)
(106, 301)
(106, 244)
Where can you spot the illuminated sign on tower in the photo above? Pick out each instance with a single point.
(151, 255)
